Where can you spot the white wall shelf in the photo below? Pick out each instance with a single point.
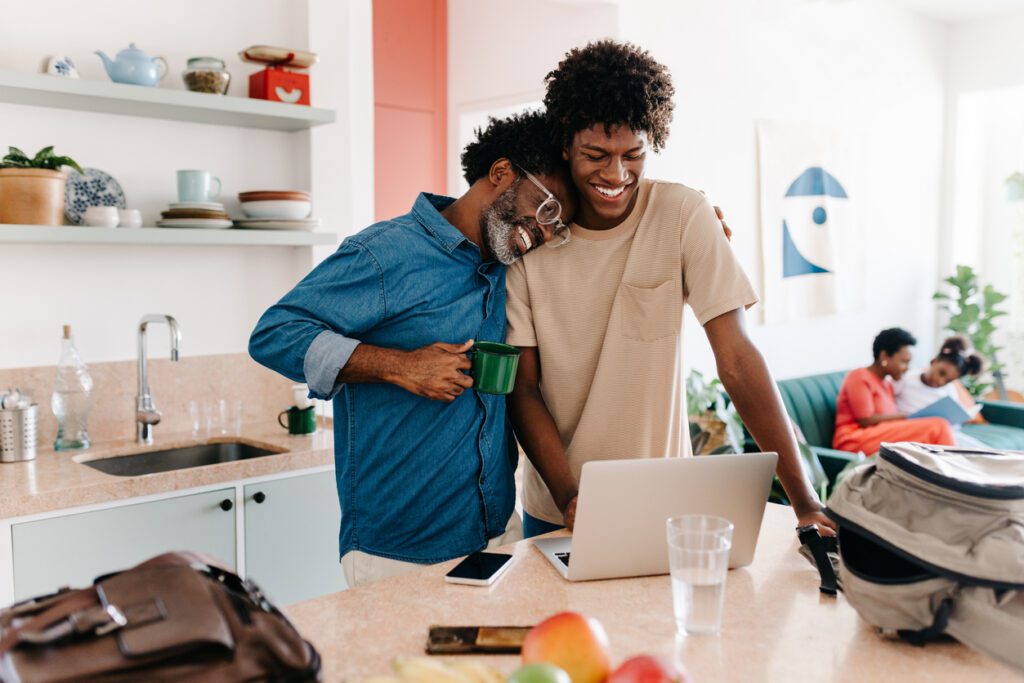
(157, 103)
(74, 234)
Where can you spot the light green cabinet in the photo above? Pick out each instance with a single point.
(291, 537)
(72, 550)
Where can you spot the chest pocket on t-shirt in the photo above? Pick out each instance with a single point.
(649, 313)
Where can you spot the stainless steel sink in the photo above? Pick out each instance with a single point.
(150, 462)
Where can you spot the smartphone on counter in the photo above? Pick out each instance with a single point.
(479, 569)
(451, 640)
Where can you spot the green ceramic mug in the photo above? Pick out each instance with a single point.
(300, 420)
(494, 367)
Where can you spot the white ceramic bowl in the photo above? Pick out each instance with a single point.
(129, 218)
(101, 216)
(278, 208)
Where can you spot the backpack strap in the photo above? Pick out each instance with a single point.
(812, 542)
(938, 628)
(53, 623)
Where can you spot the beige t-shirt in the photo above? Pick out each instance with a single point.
(605, 312)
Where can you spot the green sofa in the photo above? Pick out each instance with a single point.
(811, 402)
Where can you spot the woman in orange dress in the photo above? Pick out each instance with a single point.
(866, 413)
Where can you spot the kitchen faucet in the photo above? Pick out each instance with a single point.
(146, 414)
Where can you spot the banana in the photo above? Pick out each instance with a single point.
(425, 670)
(477, 672)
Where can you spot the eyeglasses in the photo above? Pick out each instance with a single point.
(549, 213)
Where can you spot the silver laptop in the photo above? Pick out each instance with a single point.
(623, 505)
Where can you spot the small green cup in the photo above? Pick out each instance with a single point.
(494, 367)
(300, 420)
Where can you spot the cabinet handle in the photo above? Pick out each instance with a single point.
(226, 505)
(259, 497)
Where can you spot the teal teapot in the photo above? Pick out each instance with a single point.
(134, 66)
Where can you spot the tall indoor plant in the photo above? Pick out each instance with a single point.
(972, 310)
(32, 188)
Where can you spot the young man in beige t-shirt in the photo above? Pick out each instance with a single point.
(599, 320)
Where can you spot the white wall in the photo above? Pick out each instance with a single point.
(986, 54)
(874, 72)
(499, 53)
(985, 58)
(217, 293)
(986, 142)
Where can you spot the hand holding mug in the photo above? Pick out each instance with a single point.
(436, 371)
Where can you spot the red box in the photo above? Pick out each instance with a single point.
(278, 85)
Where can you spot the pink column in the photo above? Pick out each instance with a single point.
(410, 73)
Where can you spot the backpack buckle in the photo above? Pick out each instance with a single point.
(117, 621)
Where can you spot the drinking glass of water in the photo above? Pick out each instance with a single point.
(698, 554)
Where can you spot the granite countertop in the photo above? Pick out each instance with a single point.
(776, 627)
(56, 480)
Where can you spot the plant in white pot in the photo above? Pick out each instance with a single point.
(32, 188)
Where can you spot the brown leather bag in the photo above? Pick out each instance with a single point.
(175, 617)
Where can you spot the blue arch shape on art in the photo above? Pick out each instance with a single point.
(794, 263)
(816, 182)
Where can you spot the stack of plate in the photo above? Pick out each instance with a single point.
(194, 215)
(276, 210)
(307, 224)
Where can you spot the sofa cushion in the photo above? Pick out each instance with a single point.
(811, 402)
(997, 436)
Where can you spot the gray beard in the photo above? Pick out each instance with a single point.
(498, 229)
(498, 236)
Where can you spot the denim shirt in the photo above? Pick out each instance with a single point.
(418, 480)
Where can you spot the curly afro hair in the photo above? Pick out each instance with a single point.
(957, 352)
(891, 341)
(610, 83)
(524, 138)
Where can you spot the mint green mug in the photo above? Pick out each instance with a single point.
(494, 367)
(197, 186)
(300, 420)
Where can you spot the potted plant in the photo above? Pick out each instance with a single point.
(972, 309)
(715, 426)
(32, 189)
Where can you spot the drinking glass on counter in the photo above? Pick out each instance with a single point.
(195, 417)
(698, 553)
(215, 418)
(233, 420)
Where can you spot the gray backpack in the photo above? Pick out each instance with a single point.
(931, 543)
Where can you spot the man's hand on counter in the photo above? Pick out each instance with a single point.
(825, 524)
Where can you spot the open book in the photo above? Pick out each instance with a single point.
(949, 410)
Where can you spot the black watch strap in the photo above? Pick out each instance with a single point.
(819, 548)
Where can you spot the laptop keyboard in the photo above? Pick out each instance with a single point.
(563, 558)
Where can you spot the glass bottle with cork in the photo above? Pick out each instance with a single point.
(72, 397)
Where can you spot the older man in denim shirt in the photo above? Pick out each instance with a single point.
(424, 467)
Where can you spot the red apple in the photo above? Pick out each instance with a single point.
(572, 642)
(648, 669)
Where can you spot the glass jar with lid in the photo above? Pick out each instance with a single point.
(206, 74)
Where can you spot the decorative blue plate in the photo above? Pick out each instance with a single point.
(95, 188)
